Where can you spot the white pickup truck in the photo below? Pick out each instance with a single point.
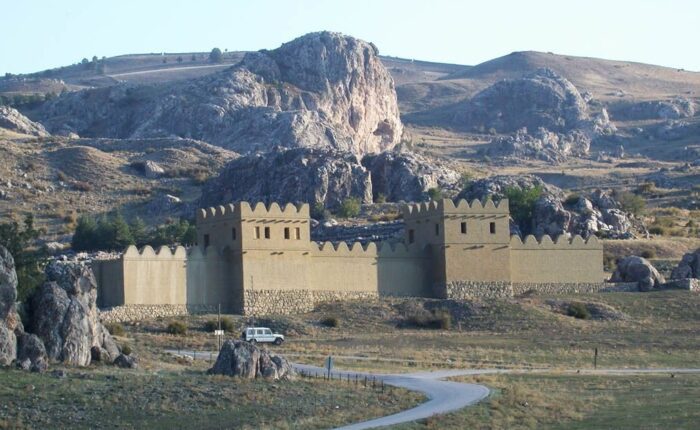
(262, 335)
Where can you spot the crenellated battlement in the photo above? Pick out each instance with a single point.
(370, 249)
(243, 210)
(561, 242)
(147, 252)
(448, 206)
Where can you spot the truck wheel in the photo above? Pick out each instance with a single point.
(278, 341)
(253, 341)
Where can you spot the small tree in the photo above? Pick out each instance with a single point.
(435, 194)
(350, 208)
(85, 234)
(522, 205)
(29, 260)
(216, 56)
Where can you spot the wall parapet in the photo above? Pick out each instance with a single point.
(240, 210)
(448, 206)
(560, 243)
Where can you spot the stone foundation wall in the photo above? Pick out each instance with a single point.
(468, 290)
(143, 312)
(275, 302)
(690, 284)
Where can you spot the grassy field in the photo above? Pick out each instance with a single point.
(560, 401)
(105, 397)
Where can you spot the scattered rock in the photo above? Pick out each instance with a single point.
(640, 270)
(11, 119)
(152, 170)
(542, 144)
(9, 319)
(245, 360)
(676, 108)
(689, 266)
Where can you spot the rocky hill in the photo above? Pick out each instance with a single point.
(322, 90)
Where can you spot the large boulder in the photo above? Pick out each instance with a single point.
(688, 267)
(322, 90)
(639, 270)
(11, 119)
(9, 319)
(676, 108)
(298, 176)
(542, 144)
(245, 360)
(407, 175)
(65, 316)
(31, 353)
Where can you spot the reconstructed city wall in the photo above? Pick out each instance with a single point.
(275, 302)
(142, 312)
(155, 277)
(471, 290)
(561, 261)
(214, 278)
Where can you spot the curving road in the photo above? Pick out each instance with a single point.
(443, 396)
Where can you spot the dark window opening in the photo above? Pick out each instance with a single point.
(206, 240)
(464, 228)
(233, 234)
(492, 227)
(297, 233)
(267, 232)
(411, 236)
(286, 232)
(437, 229)
(257, 232)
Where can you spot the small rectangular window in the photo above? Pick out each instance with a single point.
(267, 232)
(286, 233)
(206, 240)
(464, 227)
(233, 234)
(257, 232)
(411, 236)
(297, 233)
(492, 227)
(437, 229)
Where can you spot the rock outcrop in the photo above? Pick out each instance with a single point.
(676, 108)
(31, 353)
(65, 316)
(554, 213)
(639, 270)
(408, 176)
(298, 175)
(322, 90)
(12, 120)
(689, 266)
(542, 144)
(10, 323)
(245, 360)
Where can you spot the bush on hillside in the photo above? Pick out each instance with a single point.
(226, 325)
(522, 205)
(330, 321)
(177, 328)
(115, 329)
(350, 208)
(578, 310)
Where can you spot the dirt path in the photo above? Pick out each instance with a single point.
(168, 69)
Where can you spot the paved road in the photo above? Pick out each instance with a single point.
(443, 396)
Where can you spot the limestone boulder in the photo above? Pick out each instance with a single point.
(31, 353)
(65, 316)
(639, 270)
(152, 170)
(127, 361)
(245, 360)
(689, 266)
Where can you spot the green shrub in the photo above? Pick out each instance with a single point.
(437, 319)
(177, 328)
(330, 321)
(350, 208)
(226, 325)
(126, 349)
(115, 329)
(435, 194)
(522, 205)
(578, 310)
(630, 202)
(657, 229)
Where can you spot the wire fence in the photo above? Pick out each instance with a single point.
(370, 382)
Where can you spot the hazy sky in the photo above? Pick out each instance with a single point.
(44, 34)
